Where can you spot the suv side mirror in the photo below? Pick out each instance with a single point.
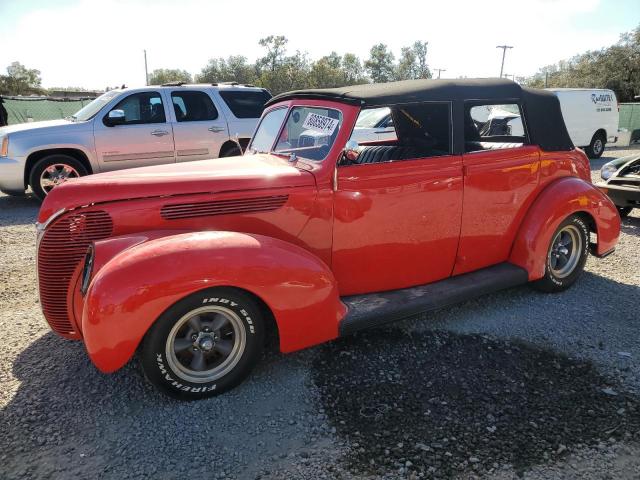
(115, 117)
(351, 151)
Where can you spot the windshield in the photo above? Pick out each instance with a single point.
(309, 132)
(88, 111)
(371, 118)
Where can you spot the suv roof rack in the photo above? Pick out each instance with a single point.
(173, 84)
(233, 84)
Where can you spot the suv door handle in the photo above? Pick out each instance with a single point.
(159, 133)
(215, 129)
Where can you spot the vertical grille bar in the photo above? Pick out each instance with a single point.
(61, 248)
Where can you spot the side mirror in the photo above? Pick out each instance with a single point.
(115, 117)
(351, 150)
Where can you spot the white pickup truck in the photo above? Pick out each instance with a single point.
(127, 128)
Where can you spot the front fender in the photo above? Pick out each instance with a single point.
(132, 289)
(556, 202)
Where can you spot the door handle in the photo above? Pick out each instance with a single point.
(215, 129)
(159, 133)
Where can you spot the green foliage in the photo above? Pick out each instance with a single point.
(616, 67)
(380, 65)
(20, 80)
(279, 72)
(166, 75)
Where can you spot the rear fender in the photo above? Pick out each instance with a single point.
(555, 203)
(136, 286)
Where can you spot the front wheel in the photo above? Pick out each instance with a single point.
(204, 345)
(52, 171)
(566, 255)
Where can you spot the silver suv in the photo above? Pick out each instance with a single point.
(130, 127)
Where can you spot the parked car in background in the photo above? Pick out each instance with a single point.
(622, 183)
(127, 128)
(374, 125)
(591, 116)
(315, 237)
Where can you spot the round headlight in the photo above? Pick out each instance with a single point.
(607, 171)
(86, 271)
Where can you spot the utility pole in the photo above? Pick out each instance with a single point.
(146, 72)
(546, 79)
(504, 51)
(440, 70)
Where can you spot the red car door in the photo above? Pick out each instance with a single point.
(396, 224)
(499, 186)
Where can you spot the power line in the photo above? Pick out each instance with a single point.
(504, 51)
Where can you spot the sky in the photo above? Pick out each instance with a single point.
(98, 43)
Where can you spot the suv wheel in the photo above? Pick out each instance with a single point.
(203, 345)
(596, 147)
(566, 255)
(231, 151)
(52, 171)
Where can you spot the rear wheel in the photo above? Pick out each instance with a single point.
(566, 255)
(54, 170)
(596, 147)
(205, 344)
(231, 151)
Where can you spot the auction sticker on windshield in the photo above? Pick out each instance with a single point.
(320, 123)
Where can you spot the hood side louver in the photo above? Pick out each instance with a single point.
(222, 207)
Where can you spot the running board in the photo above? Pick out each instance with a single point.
(373, 309)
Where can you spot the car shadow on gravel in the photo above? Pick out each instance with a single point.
(18, 210)
(67, 420)
(631, 224)
(442, 404)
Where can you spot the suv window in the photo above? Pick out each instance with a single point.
(143, 107)
(491, 126)
(193, 106)
(245, 103)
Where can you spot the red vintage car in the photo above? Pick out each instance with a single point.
(313, 236)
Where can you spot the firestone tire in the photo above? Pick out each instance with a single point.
(566, 255)
(596, 147)
(61, 165)
(204, 345)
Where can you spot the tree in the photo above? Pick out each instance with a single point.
(413, 62)
(380, 64)
(20, 80)
(352, 70)
(327, 72)
(616, 67)
(166, 75)
(234, 68)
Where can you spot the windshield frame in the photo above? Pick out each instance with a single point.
(290, 106)
(97, 100)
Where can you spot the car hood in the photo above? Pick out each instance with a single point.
(249, 172)
(41, 128)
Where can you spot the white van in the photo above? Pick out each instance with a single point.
(591, 116)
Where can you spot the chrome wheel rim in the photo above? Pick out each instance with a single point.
(56, 174)
(597, 146)
(205, 344)
(565, 251)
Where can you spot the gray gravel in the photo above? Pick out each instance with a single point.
(60, 418)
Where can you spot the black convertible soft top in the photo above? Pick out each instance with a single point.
(542, 112)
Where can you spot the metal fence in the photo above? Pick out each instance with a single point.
(34, 109)
(630, 120)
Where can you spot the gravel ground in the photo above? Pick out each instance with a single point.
(516, 384)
